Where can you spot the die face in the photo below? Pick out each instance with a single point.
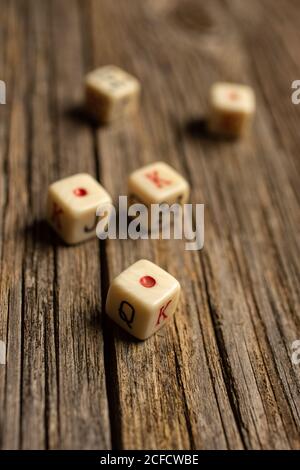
(158, 183)
(142, 299)
(79, 193)
(233, 98)
(112, 81)
(232, 107)
(111, 93)
(72, 204)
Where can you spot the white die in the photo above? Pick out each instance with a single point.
(231, 108)
(111, 93)
(72, 204)
(158, 183)
(142, 299)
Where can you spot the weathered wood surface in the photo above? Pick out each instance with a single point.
(220, 376)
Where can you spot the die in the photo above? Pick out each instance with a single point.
(231, 109)
(72, 204)
(158, 183)
(142, 299)
(111, 94)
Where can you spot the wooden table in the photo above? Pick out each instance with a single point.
(220, 376)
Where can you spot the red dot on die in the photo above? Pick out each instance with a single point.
(233, 95)
(147, 281)
(80, 192)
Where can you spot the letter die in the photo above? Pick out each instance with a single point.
(142, 299)
(111, 93)
(72, 204)
(231, 109)
(158, 183)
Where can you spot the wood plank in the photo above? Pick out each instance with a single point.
(84, 419)
(60, 368)
(278, 142)
(14, 203)
(240, 182)
(39, 353)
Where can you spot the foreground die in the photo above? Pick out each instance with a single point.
(72, 204)
(158, 183)
(143, 298)
(231, 109)
(111, 93)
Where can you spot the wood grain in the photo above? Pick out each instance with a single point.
(220, 376)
